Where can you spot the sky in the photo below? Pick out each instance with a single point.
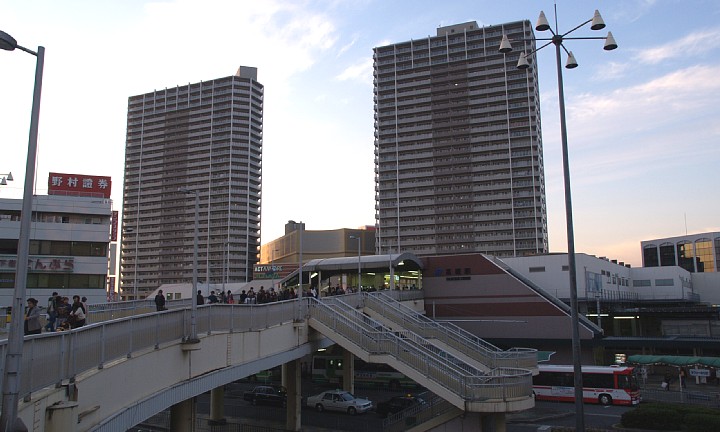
(643, 121)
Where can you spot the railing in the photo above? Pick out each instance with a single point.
(500, 385)
(417, 414)
(50, 359)
(421, 344)
(450, 334)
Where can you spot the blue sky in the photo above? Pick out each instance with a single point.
(643, 122)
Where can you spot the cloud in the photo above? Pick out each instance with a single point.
(694, 44)
(361, 71)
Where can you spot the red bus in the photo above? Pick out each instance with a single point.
(605, 385)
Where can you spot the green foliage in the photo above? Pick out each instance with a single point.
(652, 417)
(702, 422)
(663, 416)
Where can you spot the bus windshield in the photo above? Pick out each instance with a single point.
(628, 382)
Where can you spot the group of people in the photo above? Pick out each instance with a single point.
(221, 297)
(61, 314)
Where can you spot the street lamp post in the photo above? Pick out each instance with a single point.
(272, 266)
(13, 356)
(358, 238)
(6, 178)
(193, 303)
(596, 23)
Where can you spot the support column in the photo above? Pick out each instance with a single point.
(291, 382)
(493, 422)
(348, 372)
(61, 417)
(182, 416)
(217, 406)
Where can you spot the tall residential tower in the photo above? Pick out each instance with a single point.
(204, 139)
(458, 150)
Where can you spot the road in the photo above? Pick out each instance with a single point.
(545, 413)
(563, 414)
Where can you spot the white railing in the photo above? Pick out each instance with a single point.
(501, 384)
(50, 359)
(450, 334)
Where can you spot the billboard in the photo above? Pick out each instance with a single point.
(79, 185)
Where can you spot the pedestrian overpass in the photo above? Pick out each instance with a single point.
(114, 374)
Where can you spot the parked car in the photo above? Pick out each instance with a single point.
(397, 404)
(339, 400)
(269, 395)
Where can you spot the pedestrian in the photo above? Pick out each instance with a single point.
(85, 308)
(200, 299)
(223, 298)
(230, 298)
(212, 298)
(160, 301)
(78, 313)
(52, 312)
(682, 378)
(243, 297)
(63, 310)
(666, 381)
(32, 318)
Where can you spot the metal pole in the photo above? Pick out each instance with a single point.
(577, 365)
(13, 357)
(193, 303)
(193, 309)
(300, 264)
(359, 265)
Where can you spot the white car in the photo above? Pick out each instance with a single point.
(339, 400)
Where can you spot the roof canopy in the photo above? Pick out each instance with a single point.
(675, 360)
(401, 262)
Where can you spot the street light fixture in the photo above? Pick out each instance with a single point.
(6, 178)
(11, 373)
(359, 239)
(193, 303)
(596, 23)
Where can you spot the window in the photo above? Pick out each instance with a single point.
(536, 269)
(664, 282)
(641, 283)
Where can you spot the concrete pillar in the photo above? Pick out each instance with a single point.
(182, 416)
(348, 371)
(61, 417)
(217, 406)
(291, 382)
(493, 422)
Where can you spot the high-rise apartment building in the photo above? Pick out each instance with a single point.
(203, 140)
(458, 150)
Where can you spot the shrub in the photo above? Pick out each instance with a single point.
(652, 417)
(702, 422)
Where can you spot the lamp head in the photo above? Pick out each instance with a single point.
(10, 177)
(542, 23)
(571, 62)
(505, 46)
(7, 42)
(522, 62)
(610, 43)
(597, 21)
(3, 182)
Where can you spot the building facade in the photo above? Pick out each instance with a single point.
(696, 253)
(69, 247)
(203, 141)
(458, 150)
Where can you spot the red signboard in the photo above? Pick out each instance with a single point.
(79, 185)
(114, 226)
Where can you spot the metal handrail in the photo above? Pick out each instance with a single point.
(50, 359)
(450, 334)
(502, 384)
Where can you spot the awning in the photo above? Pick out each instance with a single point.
(675, 360)
(543, 356)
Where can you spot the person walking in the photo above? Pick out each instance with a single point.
(32, 318)
(200, 299)
(78, 314)
(52, 311)
(160, 301)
